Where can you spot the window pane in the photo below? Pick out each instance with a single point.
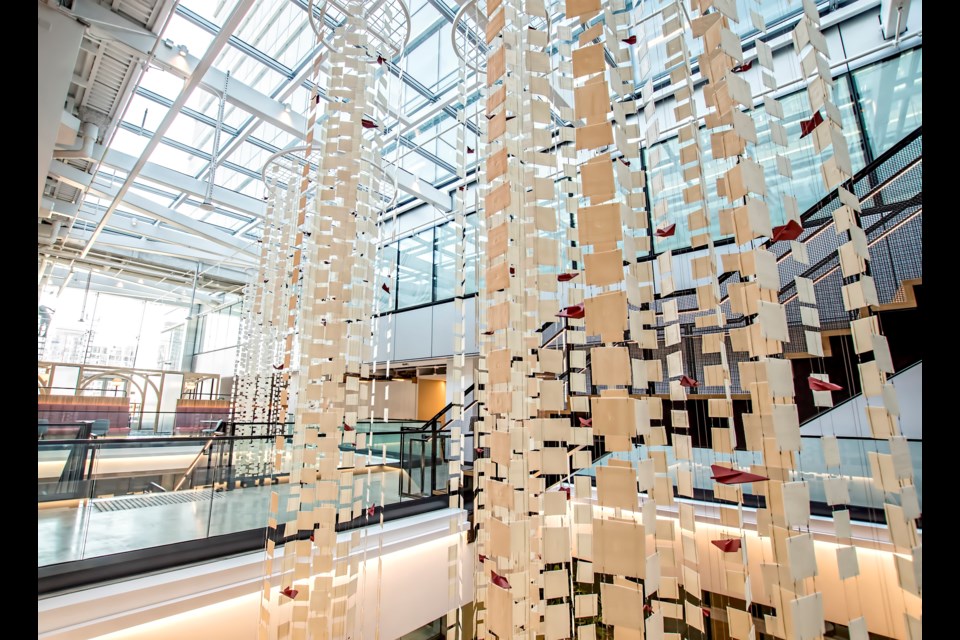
(668, 164)
(445, 257)
(415, 277)
(472, 254)
(805, 184)
(891, 98)
(219, 329)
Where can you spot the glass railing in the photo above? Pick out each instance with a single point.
(113, 422)
(70, 425)
(866, 500)
(102, 496)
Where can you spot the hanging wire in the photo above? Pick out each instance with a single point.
(214, 156)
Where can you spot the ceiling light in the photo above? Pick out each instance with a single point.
(182, 49)
(287, 107)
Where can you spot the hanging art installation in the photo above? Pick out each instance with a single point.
(574, 244)
(589, 319)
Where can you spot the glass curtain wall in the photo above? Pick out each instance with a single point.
(888, 95)
(218, 333)
(425, 264)
(891, 98)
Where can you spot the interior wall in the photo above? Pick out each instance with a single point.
(874, 594)
(431, 398)
(395, 399)
(221, 598)
(388, 607)
(426, 332)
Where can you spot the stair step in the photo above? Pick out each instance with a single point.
(905, 298)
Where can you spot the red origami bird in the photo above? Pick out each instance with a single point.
(499, 580)
(728, 545)
(666, 231)
(630, 40)
(789, 231)
(807, 126)
(586, 422)
(368, 123)
(726, 475)
(688, 382)
(575, 312)
(740, 68)
(290, 592)
(385, 287)
(817, 384)
(566, 277)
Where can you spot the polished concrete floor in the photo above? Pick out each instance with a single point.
(65, 534)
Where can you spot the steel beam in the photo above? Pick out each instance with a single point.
(127, 224)
(159, 247)
(186, 183)
(148, 207)
(104, 283)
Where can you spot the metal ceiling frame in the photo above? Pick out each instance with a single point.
(196, 76)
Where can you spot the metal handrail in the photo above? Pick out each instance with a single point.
(443, 412)
(129, 441)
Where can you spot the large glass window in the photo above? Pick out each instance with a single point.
(805, 184)
(891, 98)
(218, 329)
(427, 266)
(87, 327)
(663, 160)
(415, 271)
(471, 268)
(426, 276)
(445, 258)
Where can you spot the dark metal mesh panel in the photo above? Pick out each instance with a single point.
(891, 193)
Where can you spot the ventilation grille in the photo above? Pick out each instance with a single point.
(153, 500)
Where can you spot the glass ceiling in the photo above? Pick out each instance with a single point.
(272, 52)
